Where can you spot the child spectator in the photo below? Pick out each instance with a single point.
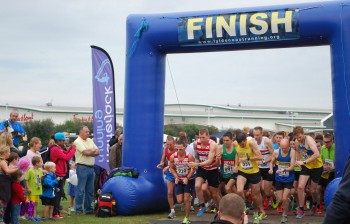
(17, 196)
(35, 146)
(33, 185)
(71, 188)
(5, 180)
(49, 190)
(13, 160)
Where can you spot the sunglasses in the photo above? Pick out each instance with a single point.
(326, 142)
(179, 148)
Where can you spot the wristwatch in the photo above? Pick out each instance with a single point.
(305, 162)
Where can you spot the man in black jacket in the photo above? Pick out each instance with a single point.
(339, 209)
(231, 210)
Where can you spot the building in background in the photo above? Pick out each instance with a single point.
(222, 117)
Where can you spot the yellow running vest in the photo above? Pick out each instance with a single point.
(248, 167)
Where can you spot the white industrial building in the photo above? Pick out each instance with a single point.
(222, 117)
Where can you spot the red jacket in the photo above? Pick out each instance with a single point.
(60, 157)
(17, 194)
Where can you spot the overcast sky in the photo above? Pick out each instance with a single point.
(45, 55)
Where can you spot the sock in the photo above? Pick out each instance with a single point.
(172, 210)
(202, 205)
(301, 208)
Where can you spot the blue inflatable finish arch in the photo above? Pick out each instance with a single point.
(311, 24)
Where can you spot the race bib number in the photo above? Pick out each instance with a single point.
(284, 173)
(247, 165)
(202, 158)
(228, 168)
(182, 170)
(329, 162)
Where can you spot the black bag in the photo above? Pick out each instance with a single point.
(106, 206)
(45, 153)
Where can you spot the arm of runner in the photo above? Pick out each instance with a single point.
(273, 160)
(269, 146)
(312, 144)
(235, 169)
(191, 173)
(292, 160)
(256, 151)
(196, 156)
(162, 160)
(172, 169)
(218, 155)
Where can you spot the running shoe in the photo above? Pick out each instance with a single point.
(284, 219)
(313, 210)
(266, 203)
(256, 218)
(192, 209)
(201, 211)
(262, 215)
(186, 221)
(274, 203)
(171, 215)
(319, 210)
(213, 210)
(300, 214)
(279, 209)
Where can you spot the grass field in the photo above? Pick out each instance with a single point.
(137, 219)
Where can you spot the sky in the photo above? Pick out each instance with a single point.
(46, 57)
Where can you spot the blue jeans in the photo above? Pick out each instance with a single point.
(85, 188)
(15, 210)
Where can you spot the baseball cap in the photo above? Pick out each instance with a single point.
(60, 136)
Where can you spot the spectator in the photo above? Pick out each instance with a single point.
(115, 154)
(231, 210)
(115, 138)
(60, 156)
(17, 196)
(6, 139)
(13, 126)
(85, 160)
(35, 146)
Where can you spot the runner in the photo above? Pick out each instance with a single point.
(265, 146)
(311, 167)
(170, 180)
(328, 158)
(284, 158)
(248, 171)
(205, 150)
(228, 156)
(184, 182)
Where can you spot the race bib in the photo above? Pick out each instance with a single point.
(182, 170)
(284, 173)
(247, 165)
(202, 158)
(329, 162)
(304, 156)
(228, 168)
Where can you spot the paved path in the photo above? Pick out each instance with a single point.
(272, 218)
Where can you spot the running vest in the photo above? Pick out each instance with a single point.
(248, 166)
(264, 152)
(168, 154)
(227, 162)
(182, 168)
(203, 153)
(284, 163)
(307, 153)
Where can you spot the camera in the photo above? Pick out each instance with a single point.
(7, 123)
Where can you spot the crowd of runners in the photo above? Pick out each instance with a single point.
(282, 171)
